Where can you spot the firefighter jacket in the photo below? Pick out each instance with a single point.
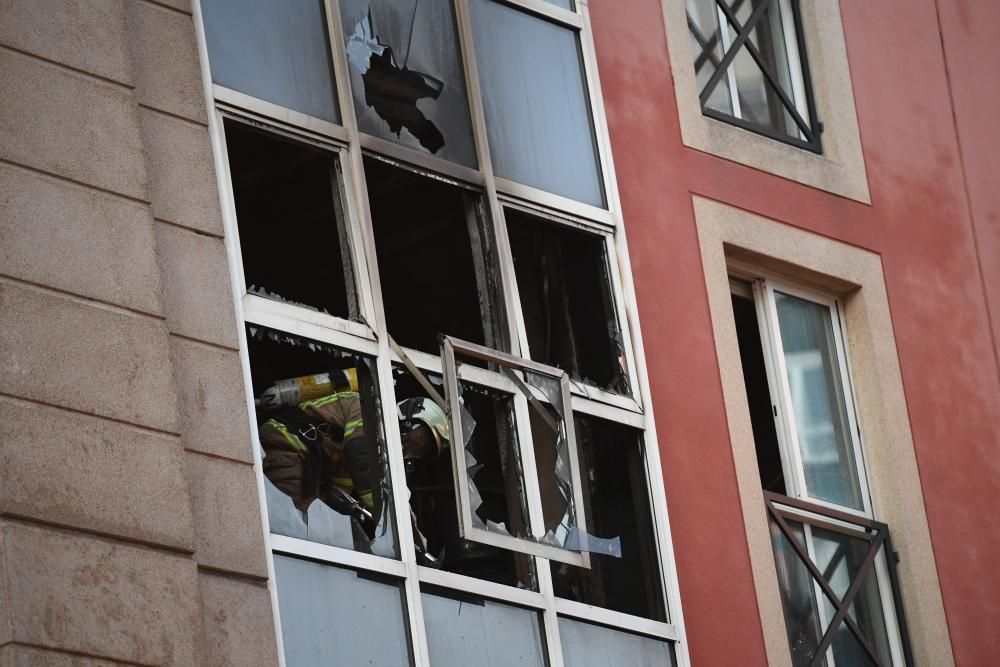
(315, 445)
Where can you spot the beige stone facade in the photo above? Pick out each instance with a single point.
(126, 535)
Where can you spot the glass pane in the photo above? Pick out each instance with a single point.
(565, 4)
(757, 100)
(566, 300)
(407, 76)
(335, 616)
(819, 401)
(324, 457)
(291, 221)
(588, 645)
(616, 503)
(838, 558)
(537, 114)
(430, 480)
(276, 50)
(462, 630)
(433, 259)
(798, 597)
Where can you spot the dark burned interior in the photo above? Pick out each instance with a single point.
(432, 492)
(765, 437)
(276, 356)
(432, 258)
(616, 502)
(291, 221)
(566, 300)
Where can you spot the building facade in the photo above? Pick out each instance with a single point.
(510, 331)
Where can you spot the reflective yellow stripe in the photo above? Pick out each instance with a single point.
(367, 499)
(293, 440)
(352, 426)
(344, 482)
(326, 400)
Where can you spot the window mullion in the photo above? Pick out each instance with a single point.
(397, 470)
(550, 620)
(477, 112)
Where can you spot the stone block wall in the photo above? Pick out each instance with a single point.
(130, 530)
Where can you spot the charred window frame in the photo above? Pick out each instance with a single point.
(322, 111)
(835, 563)
(761, 40)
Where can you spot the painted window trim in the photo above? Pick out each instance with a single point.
(841, 168)
(370, 337)
(764, 285)
(854, 275)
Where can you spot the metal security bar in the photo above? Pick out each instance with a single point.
(735, 36)
(871, 538)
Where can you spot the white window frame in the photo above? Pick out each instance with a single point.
(763, 287)
(370, 337)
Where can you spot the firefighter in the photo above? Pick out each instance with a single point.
(318, 450)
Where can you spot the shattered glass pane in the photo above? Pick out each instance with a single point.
(324, 456)
(432, 491)
(430, 250)
(291, 220)
(407, 76)
(569, 312)
(538, 117)
(335, 616)
(616, 503)
(462, 631)
(275, 50)
(589, 645)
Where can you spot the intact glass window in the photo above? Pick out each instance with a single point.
(274, 50)
(751, 67)
(835, 572)
(537, 109)
(451, 441)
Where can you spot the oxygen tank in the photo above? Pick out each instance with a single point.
(291, 392)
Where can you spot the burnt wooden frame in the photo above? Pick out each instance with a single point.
(875, 533)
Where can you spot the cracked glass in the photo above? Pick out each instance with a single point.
(326, 473)
(407, 76)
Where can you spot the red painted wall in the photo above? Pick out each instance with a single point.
(925, 221)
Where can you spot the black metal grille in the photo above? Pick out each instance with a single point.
(866, 539)
(794, 129)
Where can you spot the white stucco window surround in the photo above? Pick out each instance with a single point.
(840, 167)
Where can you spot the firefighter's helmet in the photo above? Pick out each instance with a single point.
(426, 411)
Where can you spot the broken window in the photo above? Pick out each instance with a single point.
(567, 303)
(536, 102)
(429, 476)
(433, 258)
(837, 584)
(324, 458)
(538, 461)
(464, 630)
(407, 77)
(274, 50)
(363, 247)
(615, 502)
(291, 220)
(751, 67)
